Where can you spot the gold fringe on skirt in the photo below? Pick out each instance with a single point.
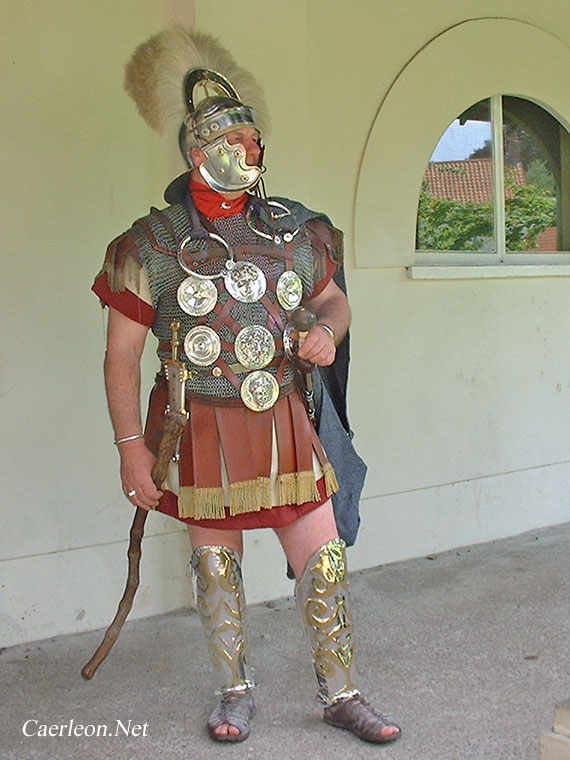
(229, 456)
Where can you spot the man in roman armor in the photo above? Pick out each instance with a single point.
(227, 268)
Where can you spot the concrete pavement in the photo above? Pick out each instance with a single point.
(469, 651)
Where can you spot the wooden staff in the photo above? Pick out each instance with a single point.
(175, 419)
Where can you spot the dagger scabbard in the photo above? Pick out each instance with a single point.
(173, 424)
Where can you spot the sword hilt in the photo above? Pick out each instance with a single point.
(176, 375)
(175, 327)
(302, 320)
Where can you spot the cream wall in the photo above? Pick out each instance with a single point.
(462, 411)
(77, 167)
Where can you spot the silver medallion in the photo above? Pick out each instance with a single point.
(289, 290)
(291, 341)
(197, 296)
(202, 345)
(259, 391)
(245, 281)
(254, 347)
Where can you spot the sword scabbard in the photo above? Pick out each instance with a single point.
(176, 415)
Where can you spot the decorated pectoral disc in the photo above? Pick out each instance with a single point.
(259, 391)
(289, 290)
(254, 347)
(245, 281)
(196, 296)
(202, 345)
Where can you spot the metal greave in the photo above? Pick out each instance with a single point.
(324, 607)
(220, 601)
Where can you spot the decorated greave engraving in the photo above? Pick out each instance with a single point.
(220, 602)
(324, 606)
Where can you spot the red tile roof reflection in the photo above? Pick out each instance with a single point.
(468, 181)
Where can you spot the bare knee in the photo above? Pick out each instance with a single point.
(232, 539)
(301, 539)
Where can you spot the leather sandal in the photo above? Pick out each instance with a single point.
(235, 708)
(356, 715)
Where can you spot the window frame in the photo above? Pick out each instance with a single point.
(500, 258)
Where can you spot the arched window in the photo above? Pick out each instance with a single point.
(497, 187)
(446, 80)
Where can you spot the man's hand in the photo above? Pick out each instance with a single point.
(125, 343)
(136, 467)
(318, 347)
(331, 308)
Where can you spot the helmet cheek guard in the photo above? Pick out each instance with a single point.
(226, 169)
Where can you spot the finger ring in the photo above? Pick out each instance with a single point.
(131, 493)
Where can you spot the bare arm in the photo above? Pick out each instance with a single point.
(332, 309)
(125, 343)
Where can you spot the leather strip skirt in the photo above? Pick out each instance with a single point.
(238, 468)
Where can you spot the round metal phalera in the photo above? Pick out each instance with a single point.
(259, 391)
(254, 347)
(290, 341)
(245, 282)
(289, 290)
(196, 296)
(202, 345)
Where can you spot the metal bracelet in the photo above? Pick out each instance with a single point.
(329, 330)
(117, 441)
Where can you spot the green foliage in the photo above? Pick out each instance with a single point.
(445, 225)
(528, 212)
(539, 175)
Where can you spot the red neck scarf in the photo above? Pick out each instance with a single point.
(212, 204)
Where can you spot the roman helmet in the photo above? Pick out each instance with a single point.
(186, 78)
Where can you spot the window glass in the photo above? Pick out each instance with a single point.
(475, 199)
(456, 207)
(533, 198)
